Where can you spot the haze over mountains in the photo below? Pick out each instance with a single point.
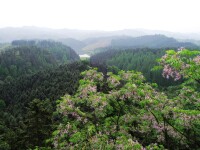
(29, 32)
(84, 41)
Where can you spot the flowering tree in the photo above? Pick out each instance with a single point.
(120, 111)
(107, 112)
(186, 105)
(183, 63)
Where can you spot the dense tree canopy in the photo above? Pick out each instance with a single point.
(61, 53)
(47, 103)
(29, 57)
(142, 60)
(120, 111)
(183, 63)
(22, 94)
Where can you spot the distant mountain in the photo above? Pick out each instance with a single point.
(150, 41)
(9, 34)
(98, 42)
(141, 32)
(27, 33)
(197, 42)
(77, 45)
(86, 41)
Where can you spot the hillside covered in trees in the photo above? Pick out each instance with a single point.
(33, 74)
(28, 57)
(156, 41)
(50, 99)
(96, 44)
(28, 103)
(88, 41)
(139, 59)
(121, 111)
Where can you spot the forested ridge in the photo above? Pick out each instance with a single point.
(29, 57)
(34, 74)
(139, 59)
(150, 41)
(134, 98)
(61, 52)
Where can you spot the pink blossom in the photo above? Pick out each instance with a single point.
(170, 72)
(197, 59)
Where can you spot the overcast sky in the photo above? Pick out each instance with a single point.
(170, 15)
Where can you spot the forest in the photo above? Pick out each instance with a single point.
(138, 59)
(29, 57)
(123, 97)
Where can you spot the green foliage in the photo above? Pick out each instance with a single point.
(48, 84)
(18, 123)
(29, 57)
(7, 136)
(142, 60)
(98, 119)
(183, 63)
(108, 110)
(130, 114)
(2, 105)
(38, 123)
(4, 46)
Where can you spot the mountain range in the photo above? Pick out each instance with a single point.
(85, 41)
